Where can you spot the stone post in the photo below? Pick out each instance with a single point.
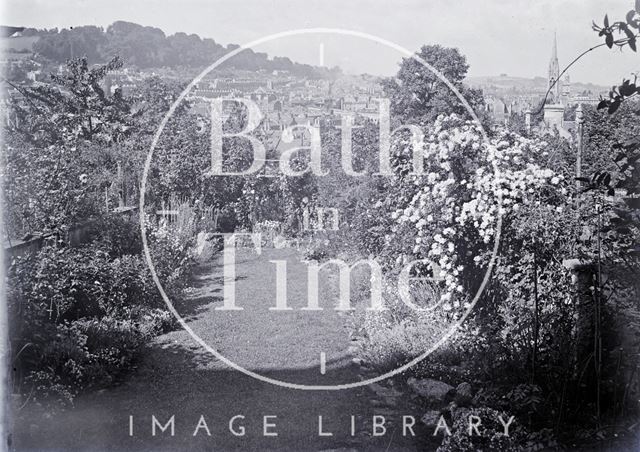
(579, 132)
(583, 279)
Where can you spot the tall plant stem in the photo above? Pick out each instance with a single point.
(536, 324)
(597, 343)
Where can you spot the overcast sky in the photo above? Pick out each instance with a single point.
(497, 36)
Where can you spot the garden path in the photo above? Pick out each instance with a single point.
(177, 377)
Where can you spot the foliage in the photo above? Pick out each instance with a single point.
(148, 47)
(624, 28)
(491, 431)
(468, 184)
(116, 233)
(530, 323)
(77, 105)
(63, 151)
(616, 175)
(418, 94)
(67, 44)
(395, 336)
(80, 315)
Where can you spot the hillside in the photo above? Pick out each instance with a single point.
(147, 47)
(505, 83)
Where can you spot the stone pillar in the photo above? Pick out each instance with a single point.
(583, 278)
(579, 133)
(527, 121)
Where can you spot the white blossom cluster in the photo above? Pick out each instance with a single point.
(468, 183)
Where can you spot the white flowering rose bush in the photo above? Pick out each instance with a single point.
(468, 184)
(449, 216)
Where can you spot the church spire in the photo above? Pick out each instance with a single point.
(554, 71)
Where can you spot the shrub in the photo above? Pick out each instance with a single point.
(81, 314)
(317, 251)
(491, 431)
(118, 234)
(82, 353)
(398, 334)
(172, 259)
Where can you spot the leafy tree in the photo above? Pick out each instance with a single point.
(418, 94)
(62, 151)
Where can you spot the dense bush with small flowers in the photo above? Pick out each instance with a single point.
(531, 323)
(468, 184)
(450, 215)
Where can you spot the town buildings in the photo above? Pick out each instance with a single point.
(507, 96)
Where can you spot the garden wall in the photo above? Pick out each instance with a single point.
(76, 235)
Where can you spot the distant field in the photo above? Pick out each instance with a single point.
(19, 43)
